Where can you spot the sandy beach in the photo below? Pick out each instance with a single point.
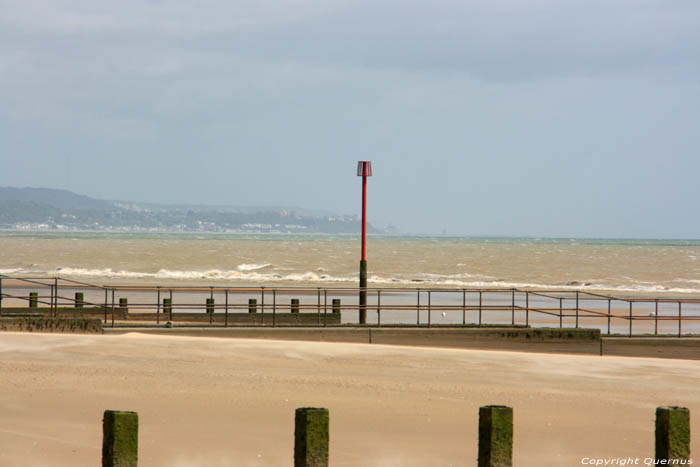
(219, 402)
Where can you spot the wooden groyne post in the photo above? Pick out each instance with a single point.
(168, 308)
(33, 299)
(79, 299)
(210, 309)
(311, 437)
(120, 439)
(294, 306)
(124, 306)
(336, 305)
(252, 305)
(672, 434)
(495, 436)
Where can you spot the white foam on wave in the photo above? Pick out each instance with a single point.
(252, 266)
(254, 274)
(12, 271)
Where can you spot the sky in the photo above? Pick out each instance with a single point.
(557, 118)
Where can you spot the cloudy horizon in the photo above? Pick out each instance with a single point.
(544, 118)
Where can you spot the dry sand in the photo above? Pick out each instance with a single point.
(220, 402)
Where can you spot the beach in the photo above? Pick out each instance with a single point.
(216, 402)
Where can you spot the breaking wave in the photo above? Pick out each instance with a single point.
(265, 272)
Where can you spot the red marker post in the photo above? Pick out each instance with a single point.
(364, 170)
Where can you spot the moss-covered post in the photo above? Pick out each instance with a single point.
(295, 305)
(124, 306)
(672, 433)
(33, 299)
(311, 437)
(168, 308)
(495, 436)
(336, 305)
(79, 299)
(252, 305)
(120, 439)
(210, 309)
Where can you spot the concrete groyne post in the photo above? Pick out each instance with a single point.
(336, 305)
(295, 306)
(79, 299)
(495, 436)
(252, 305)
(33, 299)
(120, 439)
(168, 308)
(210, 309)
(672, 433)
(311, 437)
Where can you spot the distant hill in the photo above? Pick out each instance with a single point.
(61, 199)
(49, 209)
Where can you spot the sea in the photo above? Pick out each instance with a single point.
(661, 267)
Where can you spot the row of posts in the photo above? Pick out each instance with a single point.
(311, 437)
(168, 303)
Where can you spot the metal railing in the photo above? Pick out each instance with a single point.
(423, 307)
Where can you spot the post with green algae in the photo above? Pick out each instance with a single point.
(79, 300)
(672, 433)
(33, 299)
(252, 305)
(295, 306)
(120, 439)
(168, 308)
(210, 309)
(311, 437)
(124, 305)
(495, 436)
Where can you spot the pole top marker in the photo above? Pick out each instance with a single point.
(364, 168)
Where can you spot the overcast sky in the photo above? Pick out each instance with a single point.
(545, 118)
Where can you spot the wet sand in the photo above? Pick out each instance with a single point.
(218, 402)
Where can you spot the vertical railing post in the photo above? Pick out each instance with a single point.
(672, 437)
(120, 439)
(262, 306)
(512, 307)
(105, 307)
(112, 307)
(656, 317)
(495, 436)
(480, 307)
(311, 437)
(0, 295)
(577, 309)
(418, 307)
(226, 308)
(680, 319)
(318, 307)
(274, 307)
(527, 309)
(379, 307)
(158, 306)
(429, 308)
(609, 315)
(171, 304)
(630, 319)
(55, 288)
(325, 307)
(561, 313)
(464, 307)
